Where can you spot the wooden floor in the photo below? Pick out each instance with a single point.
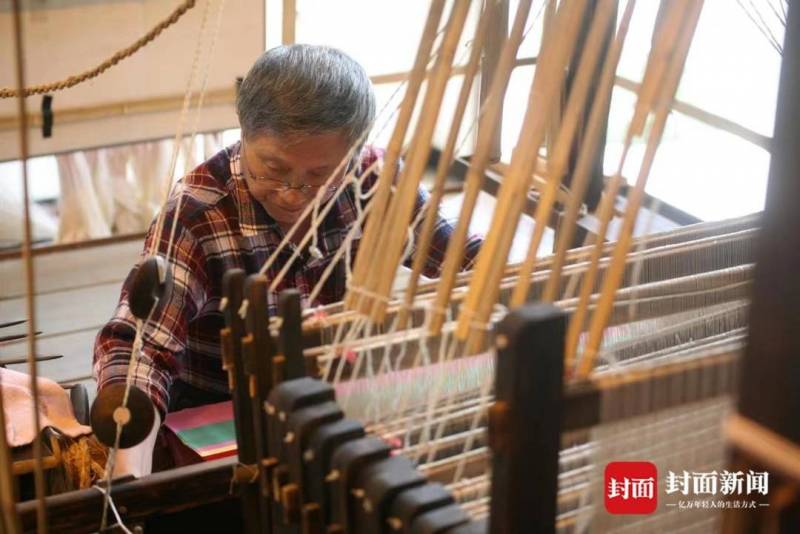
(76, 291)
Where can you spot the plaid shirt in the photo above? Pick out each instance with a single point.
(220, 227)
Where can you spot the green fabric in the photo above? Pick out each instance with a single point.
(203, 436)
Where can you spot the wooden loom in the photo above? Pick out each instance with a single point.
(673, 313)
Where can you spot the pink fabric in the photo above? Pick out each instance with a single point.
(55, 409)
(200, 416)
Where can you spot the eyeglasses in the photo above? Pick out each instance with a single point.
(277, 185)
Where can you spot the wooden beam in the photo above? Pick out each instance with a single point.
(161, 493)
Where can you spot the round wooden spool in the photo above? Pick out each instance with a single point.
(137, 417)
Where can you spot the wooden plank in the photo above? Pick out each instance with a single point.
(67, 311)
(71, 268)
(525, 421)
(76, 348)
(161, 493)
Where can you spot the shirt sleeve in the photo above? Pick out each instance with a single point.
(442, 231)
(164, 336)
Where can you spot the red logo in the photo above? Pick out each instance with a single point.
(631, 487)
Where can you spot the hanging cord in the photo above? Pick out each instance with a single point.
(167, 186)
(30, 286)
(125, 53)
(200, 97)
(204, 86)
(313, 227)
(107, 497)
(140, 325)
(112, 454)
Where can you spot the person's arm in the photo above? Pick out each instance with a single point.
(442, 230)
(163, 338)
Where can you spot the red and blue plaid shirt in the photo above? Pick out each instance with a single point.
(220, 227)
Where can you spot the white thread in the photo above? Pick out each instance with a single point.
(312, 231)
(119, 523)
(307, 210)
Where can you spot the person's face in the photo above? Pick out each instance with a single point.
(284, 173)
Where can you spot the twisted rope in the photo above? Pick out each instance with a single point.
(74, 80)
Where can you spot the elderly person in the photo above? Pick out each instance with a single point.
(301, 109)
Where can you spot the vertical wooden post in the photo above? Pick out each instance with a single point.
(233, 361)
(290, 340)
(769, 389)
(596, 184)
(525, 421)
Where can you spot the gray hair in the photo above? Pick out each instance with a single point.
(305, 89)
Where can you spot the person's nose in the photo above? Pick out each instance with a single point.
(294, 196)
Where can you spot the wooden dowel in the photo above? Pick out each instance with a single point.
(446, 158)
(474, 179)
(387, 175)
(401, 209)
(563, 142)
(549, 75)
(764, 445)
(666, 34)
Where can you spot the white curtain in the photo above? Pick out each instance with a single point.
(117, 190)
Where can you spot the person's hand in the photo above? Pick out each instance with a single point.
(138, 460)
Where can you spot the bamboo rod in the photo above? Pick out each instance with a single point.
(583, 166)
(666, 34)
(549, 75)
(564, 140)
(475, 175)
(30, 282)
(555, 119)
(538, 179)
(289, 22)
(401, 208)
(387, 174)
(614, 275)
(426, 232)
